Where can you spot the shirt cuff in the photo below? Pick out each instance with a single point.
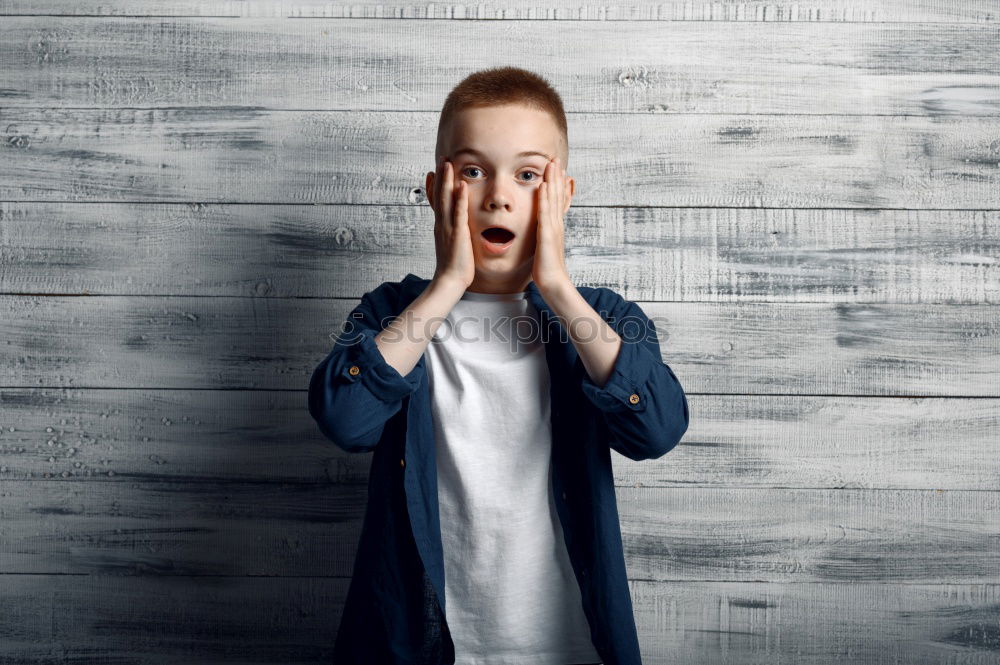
(364, 362)
(625, 389)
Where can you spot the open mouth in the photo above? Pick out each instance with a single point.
(497, 235)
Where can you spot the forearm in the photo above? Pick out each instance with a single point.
(403, 341)
(595, 341)
(639, 397)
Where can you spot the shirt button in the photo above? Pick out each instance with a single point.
(564, 496)
(634, 398)
(402, 463)
(354, 370)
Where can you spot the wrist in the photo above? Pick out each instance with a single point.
(449, 285)
(557, 290)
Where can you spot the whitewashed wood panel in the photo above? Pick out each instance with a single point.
(599, 66)
(817, 193)
(729, 623)
(745, 255)
(252, 155)
(276, 343)
(746, 441)
(668, 534)
(849, 11)
(180, 619)
(169, 619)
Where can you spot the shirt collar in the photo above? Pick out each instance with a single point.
(413, 286)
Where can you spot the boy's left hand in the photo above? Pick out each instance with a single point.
(554, 195)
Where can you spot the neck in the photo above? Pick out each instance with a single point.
(505, 285)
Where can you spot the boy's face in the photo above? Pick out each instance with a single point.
(502, 184)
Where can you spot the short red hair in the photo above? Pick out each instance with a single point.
(499, 86)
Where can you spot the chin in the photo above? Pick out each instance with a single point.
(504, 268)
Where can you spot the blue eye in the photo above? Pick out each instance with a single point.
(466, 170)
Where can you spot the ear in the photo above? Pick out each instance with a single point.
(429, 188)
(570, 189)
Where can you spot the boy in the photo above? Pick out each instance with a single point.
(491, 535)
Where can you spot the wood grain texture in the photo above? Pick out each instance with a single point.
(700, 255)
(275, 343)
(293, 620)
(720, 11)
(669, 534)
(734, 441)
(165, 619)
(260, 156)
(802, 195)
(603, 67)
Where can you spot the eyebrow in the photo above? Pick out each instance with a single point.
(525, 153)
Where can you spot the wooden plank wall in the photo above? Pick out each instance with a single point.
(193, 194)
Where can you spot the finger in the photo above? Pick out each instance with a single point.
(562, 183)
(555, 185)
(462, 209)
(549, 180)
(438, 172)
(446, 200)
(557, 191)
(436, 194)
(551, 188)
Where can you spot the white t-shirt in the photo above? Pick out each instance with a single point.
(511, 595)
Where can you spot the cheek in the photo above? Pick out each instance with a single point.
(530, 237)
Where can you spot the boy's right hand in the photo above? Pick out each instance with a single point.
(452, 237)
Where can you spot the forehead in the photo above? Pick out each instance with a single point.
(504, 132)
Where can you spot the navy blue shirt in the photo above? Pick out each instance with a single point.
(395, 610)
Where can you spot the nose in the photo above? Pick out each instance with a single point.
(496, 198)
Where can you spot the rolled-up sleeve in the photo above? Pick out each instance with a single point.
(354, 391)
(642, 403)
